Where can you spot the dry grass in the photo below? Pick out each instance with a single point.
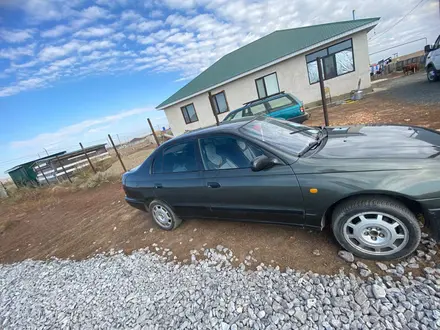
(7, 224)
(48, 195)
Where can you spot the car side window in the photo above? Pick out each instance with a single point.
(180, 158)
(437, 43)
(258, 109)
(227, 152)
(157, 164)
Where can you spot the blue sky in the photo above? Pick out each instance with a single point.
(76, 70)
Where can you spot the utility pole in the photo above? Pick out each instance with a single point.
(87, 156)
(117, 153)
(211, 101)
(46, 151)
(321, 85)
(118, 139)
(153, 132)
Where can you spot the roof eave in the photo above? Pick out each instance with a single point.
(368, 27)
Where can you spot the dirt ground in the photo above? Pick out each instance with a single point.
(408, 100)
(80, 224)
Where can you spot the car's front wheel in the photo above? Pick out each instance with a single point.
(431, 74)
(376, 228)
(163, 215)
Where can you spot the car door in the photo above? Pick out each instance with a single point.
(178, 181)
(436, 54)
(237, 192)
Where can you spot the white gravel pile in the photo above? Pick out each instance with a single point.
(144, 291)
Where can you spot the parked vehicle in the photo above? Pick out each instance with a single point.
(367, 182)
(281, 106)
(433, 61)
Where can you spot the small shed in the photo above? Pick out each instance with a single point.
(54, 168)
(24, 174)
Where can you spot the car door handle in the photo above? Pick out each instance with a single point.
(213, 185)
(158, 185)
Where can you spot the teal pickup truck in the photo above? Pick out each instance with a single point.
(281, 106)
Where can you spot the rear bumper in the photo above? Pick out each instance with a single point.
(431, 212)
(135, 203)
(300, 119)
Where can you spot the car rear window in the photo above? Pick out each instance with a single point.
(234, 115)
(281, 102)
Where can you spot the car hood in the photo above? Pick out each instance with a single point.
(381, 141)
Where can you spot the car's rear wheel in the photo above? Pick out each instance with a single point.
(431, 74)
(376, 228)
(163, 215)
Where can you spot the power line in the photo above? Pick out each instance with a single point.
(405, 43)
(400, 20)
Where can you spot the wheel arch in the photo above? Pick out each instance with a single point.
(414, 206)
(430, 65)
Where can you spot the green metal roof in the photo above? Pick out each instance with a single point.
(262, 51)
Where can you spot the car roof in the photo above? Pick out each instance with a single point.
(223, 128)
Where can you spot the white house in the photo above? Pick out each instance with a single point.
(284, 60)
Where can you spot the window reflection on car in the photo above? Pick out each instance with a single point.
(278, 133)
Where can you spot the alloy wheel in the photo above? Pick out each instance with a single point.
(376, 233)
(431, 75)
(162, 216)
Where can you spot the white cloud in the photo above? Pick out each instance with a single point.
(180, 38)
(130, 15)
(68, 132)
(52, 52)
(196, 33)
(144, 26)
(90, 46)
(156, 14)
(16, 36)
(31, 83)
(28, 64)
(94, 32)
(57, 31)
(94, 13)
(14, 53)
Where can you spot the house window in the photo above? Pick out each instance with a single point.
(267, 85)
(336, 60)
(189, 113)
(220, 103)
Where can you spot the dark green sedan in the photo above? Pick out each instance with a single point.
(368, 183)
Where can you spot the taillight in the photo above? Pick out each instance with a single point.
(302, 109)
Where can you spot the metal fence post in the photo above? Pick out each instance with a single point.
(117, 153)
(153, 132)
(87, 156)
(43, 174)
(65, 172)
(321, 85)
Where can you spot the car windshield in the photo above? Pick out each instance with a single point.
(287, 136)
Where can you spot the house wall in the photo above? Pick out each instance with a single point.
(292, 77)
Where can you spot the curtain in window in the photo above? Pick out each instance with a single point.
(312, 68)
(344, 61)
(271, 84)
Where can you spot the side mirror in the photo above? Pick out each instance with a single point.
(428, 48)
(262, 162)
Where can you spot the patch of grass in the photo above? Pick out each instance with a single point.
(47, 195)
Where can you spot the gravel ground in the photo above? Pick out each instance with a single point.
(148, 291)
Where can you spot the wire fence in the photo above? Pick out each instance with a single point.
(56, 162)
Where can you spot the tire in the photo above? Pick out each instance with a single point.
(163, 215)
(431, 74)
(377, 228)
